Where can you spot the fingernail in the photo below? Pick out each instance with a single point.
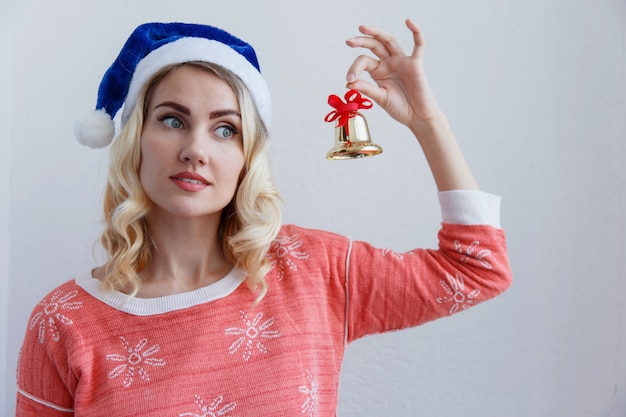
(351, 77)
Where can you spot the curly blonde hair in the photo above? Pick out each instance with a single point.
(249, 223)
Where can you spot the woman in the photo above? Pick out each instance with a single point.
(166, 326)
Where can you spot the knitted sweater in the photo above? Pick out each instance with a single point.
(89, 351)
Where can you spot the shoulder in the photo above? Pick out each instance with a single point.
(298, 249)
(68, 292)
(61, 308)
(291, 235)
(55, 314)
(311, 233)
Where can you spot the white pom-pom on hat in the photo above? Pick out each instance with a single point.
(95, 129)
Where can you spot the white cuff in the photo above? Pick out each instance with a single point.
(470, 207)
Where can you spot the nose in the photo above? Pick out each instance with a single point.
(195, 148)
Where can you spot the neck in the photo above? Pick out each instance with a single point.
(187, 255)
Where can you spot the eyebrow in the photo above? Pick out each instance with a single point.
(226, 112)
(185, 110)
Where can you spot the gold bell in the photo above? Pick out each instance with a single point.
(352, 136)
(352, 140)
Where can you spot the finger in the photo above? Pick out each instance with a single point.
(367, 89)
(418, 38)
(377, 47)
(368, 64)
(389, 41)
(360, 64)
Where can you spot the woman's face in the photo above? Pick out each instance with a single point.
(191, 144)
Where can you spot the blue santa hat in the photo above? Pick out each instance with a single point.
(153, 46)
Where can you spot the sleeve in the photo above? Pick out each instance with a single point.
(390, 291)
(45, 379)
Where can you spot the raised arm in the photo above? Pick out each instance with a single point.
(401, 88)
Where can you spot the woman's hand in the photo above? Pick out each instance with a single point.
(401, 86)
(403, 91)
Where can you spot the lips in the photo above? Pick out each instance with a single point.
(190, 181)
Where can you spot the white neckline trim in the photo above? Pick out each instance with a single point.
(160, 305)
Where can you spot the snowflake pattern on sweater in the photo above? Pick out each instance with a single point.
(212, 353)
(285, 253)
(214, 409)
(457, 294)
(134, 359)
(310, 391)
(52, 313)
(251, 335)
(470, 253)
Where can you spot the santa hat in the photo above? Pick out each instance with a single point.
(153, 46)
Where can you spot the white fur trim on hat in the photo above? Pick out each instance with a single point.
(206, 50)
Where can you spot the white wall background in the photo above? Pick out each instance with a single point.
(5, 147)
(536, 92)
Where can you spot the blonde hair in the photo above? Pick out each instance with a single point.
(249, 223)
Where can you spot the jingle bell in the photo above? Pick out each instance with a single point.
(352, 136)
(352, 140)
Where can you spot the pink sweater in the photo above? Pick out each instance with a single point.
(93, 352)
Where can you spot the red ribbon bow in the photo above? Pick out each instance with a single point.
(343, 111)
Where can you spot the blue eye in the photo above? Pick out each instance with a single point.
(172, 122)
(225, 132)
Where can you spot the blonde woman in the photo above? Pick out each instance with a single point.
(208, 305)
